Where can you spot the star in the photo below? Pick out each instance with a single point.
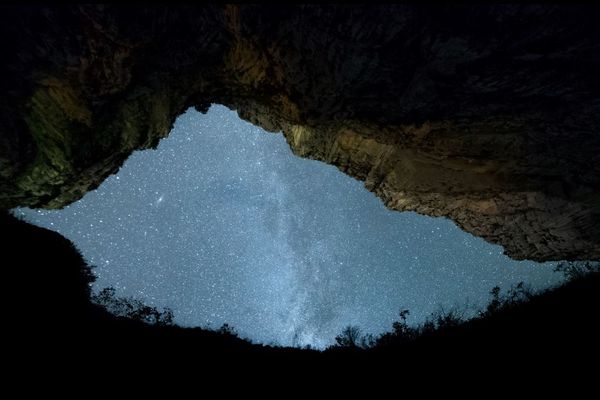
(285, 250)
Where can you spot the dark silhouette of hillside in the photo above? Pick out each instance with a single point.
(132, 308)
(537, 324)
(48, 315)
(47, 288)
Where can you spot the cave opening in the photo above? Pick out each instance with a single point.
(223, 224)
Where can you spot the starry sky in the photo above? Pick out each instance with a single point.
(223, 224)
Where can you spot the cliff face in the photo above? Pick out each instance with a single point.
(486, 115)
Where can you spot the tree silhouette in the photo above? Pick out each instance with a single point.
(132, 308)
(443, 319)
(227, 329)
(514, 296)
(577, 269)
(440, 323)
(350, 337)
(401, 328)
(494, 304)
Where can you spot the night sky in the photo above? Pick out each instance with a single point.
(224, 225)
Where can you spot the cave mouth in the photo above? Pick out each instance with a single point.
(222, 224)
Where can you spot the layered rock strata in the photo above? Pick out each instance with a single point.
(485, 115)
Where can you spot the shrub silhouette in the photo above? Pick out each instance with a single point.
(516, 295)
(367, 341)
(52, 318)
(400, 327)
(573, 270)
(441, 322)
(401, 332)
(132, 308)
(350, 337)
(227, 329)
(443, 319)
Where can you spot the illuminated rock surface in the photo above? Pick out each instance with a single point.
(486, 115)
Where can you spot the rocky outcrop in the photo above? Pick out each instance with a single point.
(485, 115)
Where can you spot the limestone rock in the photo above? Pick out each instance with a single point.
(488, 115)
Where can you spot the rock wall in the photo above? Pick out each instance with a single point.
(485, 115)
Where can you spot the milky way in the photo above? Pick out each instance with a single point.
(224, 225)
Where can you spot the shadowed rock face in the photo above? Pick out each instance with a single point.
(486, 115)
